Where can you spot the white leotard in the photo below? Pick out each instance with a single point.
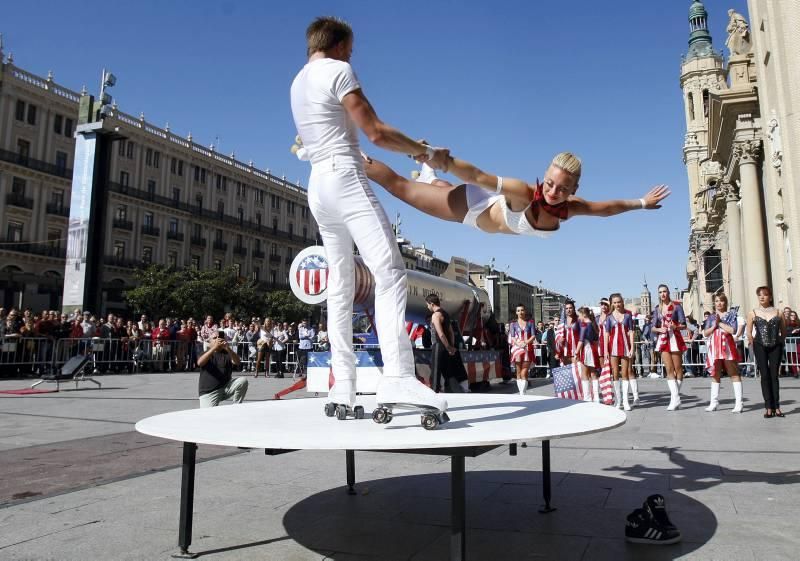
(478, 200)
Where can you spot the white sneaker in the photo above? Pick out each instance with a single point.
(406, 392)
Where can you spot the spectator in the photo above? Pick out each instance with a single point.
(216, 367)
(322, 338)
(279, 339)
(307, 336)
(207, 332)
(160, 338)
(264, 347)
(793, 331)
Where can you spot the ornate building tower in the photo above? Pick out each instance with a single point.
(647, 303)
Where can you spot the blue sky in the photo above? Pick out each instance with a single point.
(505, 85)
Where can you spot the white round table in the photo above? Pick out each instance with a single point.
(478, 423)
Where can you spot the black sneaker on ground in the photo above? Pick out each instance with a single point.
(656, 507)
(641, 528)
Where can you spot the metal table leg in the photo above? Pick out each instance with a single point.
(187, 501)
(546, 477)
(351, 471)
(458, 523)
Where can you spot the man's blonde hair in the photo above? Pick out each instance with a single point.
(569, 162)
(325, 33)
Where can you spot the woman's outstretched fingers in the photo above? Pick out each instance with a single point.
(655, 196)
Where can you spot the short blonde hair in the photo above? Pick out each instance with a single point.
(569, 162)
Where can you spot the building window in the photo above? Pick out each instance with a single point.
(196, 173)
(151, 187)
(119, 249)
(172, 259)
(58, 124)
(124, 178)
(31, 114)
(20, 114)
(14, 231)
(273, 250)
(712, 266)
(218, 236)
(68, 124)
(690, 103)
(291, 230)
(122, 212)
(129, 149)
(176, 194)
(197, 231)
(218, 264)
(61, 161)
(122, 148)
(241, 215)
(221, 209)
(18, 186)
(237, 268)
(173, 167)
(274, 225)
(273, 277)
(173, 225)
(57, 198)
(258, 219)
(203, 176)
(195, 261)
(148, 157)
(156, 159)
(54, 238)
(289, 254)
(239, 240)
(180, 168)
(148, 219)
(305, 232)
(254, 275)
(23, 151)
(258, 244)
(275, 202)
(199, 199)
(147, 254)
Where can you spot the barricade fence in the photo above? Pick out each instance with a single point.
(42, 355)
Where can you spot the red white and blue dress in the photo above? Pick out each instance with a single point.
(671, 341)
(619, 341)
(589, 354)
(572, 335)
(721, 344)
(517, 335)
(601, 334)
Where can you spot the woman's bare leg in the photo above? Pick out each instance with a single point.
(443, 201)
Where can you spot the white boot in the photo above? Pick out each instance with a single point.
(343, 392)
(595, 391)
(406, 392)
(674, 398)
(635, 390)
(678, 384)
(625, 405)
(585, 389)
(737, 393)
(713, 402)
(464, 384)
(522, 385)
(617, 396)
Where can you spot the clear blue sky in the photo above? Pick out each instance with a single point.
(505, 85)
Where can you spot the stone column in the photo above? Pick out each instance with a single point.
(754, 242)
(737, 280)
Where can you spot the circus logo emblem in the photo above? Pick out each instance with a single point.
(308, 275)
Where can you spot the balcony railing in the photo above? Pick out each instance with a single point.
(122, 224)
(118, 261)
(239, 250)
(19, 199)
(198, 241)
(58, 209)
(258, 254)
(149, 230)
(32, 163)
(45, 249)
(220, 245)
(177, 236)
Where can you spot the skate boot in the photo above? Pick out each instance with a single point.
(408, 393)
(640, 527)
(342, 399)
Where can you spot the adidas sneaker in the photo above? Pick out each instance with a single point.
(656, 507)
(640, 527)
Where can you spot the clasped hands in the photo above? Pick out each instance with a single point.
(435, 156)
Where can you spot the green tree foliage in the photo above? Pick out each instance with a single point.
(162, 292)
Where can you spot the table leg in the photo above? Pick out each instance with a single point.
(458, 523)
(546, 477)
(187, 501)
(350, 457)
(512, 449)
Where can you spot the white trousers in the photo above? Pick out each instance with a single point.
(347, 211)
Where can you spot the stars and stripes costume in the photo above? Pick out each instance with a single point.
(567, 337)
(720, 344)
(601, 334)
(619, 342)
(671, 341)
(589, 355)
(518, 335)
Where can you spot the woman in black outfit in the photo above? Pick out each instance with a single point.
(767, 347)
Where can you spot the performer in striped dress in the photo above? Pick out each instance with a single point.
(565, 349)
(587, 355)
(521, 335)
(668, 320)
(605, 307)
(719, 329)
(619, 334)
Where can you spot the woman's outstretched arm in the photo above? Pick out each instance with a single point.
(651, 200)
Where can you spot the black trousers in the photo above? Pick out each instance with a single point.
(768, 361)
(446, 369)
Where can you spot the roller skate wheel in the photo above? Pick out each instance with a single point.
(430, 422)
(330, 409)
(358, 412)
(341, 412)
(381, 415)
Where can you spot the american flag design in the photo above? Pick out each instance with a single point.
(671, 341)
(589, 355)
(601, 332)
(619, 341)
(517, 335)
(606, 383)
(414, 330)
(481, 366)
(721, 345)
(312, 275)
(567, 382)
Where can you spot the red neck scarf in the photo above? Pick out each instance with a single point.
(560, 210)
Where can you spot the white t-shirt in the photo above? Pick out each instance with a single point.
(319, 116)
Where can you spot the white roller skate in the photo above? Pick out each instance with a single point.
(408, 393)
(342, 399)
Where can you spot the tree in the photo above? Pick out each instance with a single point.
(283, 305)
(154, 293)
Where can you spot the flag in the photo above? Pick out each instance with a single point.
(606, 383)
(730, 316)
(561, 331)
(567, 382)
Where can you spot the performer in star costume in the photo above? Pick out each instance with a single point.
(719, 329)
